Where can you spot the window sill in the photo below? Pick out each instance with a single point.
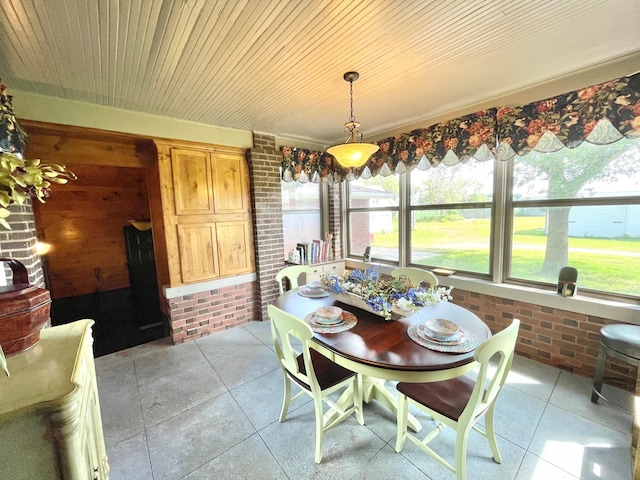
(618, 311)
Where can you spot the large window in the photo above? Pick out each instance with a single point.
(575, 207)
(301, 213)
(450, 217)
(578, 207)
(372, 212)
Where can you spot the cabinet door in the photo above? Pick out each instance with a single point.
(234, 247)
(192, 182)
(229, 183)
(198, 251)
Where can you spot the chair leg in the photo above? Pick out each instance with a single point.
(462, 438)
(317, 405)
(490, 433)
(599, 375)
(401, 421)
(287, 397)
(358, 398)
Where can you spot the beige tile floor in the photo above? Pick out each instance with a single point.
(208, 409)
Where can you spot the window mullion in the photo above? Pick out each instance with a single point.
(502, 224)
(404, 220)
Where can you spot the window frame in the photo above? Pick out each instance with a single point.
(502, 207)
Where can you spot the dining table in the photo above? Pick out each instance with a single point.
(382, 349)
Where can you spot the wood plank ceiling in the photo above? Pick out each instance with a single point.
(276, 66)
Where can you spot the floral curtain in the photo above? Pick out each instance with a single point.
(599, 114)
(460, 139)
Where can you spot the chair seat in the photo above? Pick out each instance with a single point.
(624, 339)
(448, 398)
(327, 372)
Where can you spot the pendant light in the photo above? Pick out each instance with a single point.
(352, 153)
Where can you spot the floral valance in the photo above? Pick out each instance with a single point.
(460, 139)
(598, 114)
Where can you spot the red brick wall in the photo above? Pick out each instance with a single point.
(266, 195)
(199, 314)
(559, 338)
(335, 219)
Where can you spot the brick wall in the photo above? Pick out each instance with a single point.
(559, 338)
(20, 241)
(200, 314)
(335, 218)
(266, 195)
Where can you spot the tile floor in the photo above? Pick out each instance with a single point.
(208, 409)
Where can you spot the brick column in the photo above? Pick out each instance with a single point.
(266, 195)
(335, 219)
(20, 243)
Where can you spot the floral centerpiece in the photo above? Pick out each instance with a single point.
(385, 297)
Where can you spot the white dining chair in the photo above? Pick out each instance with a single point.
(460, 402)
(416, 275)
(315, 374)
(292, 273)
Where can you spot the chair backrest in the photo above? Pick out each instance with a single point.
(292, 273)
(417, 275)
(284, 329)
(501, 346)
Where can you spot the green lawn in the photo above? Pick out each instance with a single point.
(603, 264)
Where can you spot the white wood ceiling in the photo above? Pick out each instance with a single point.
(276, 66)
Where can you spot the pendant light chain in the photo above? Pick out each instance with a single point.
(351, 118)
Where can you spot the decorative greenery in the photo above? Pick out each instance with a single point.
(21, 179)
(383, 295)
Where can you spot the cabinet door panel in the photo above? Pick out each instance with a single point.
(198, 251)
(192, 182)
(234, 247)
(229, 183)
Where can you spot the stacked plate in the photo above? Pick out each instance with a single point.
(443, 336)
(327, 317)
(313, 290)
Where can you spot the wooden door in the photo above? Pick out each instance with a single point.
(229, 183)
(234, 248)
(198, 252)
(192, 182)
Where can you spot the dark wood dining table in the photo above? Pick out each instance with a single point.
(381, 349)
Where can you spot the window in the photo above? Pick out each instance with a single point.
(450, 216)
(578, 207)
(575, 207)
(373, 212)
(301, 213)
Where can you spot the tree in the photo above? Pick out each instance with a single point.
(567, 174)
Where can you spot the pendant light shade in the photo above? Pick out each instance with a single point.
(352, 153)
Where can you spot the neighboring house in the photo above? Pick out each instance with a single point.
(589, 221)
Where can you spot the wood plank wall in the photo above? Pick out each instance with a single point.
(84, 219)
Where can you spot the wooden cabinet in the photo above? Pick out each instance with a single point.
(50, 423)
(192, 186)
(206, 230)
(336, 267)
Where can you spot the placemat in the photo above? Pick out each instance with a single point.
(469, 343)
(349, 321)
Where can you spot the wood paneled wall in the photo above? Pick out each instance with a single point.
(83, 220)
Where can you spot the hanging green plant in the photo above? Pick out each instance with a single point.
(21, 179)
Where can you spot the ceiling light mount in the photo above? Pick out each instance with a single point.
(352, 153)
